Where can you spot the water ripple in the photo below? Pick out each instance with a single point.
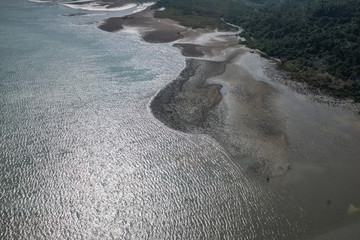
(81, 155)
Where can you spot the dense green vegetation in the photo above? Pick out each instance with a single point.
(318, 41)
(190, 20)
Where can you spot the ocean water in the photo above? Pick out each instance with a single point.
(82, 157)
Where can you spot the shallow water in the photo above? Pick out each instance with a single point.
(81, 155)
(323, 137)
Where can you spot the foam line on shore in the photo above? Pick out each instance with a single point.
(93, 6)
(142, 7)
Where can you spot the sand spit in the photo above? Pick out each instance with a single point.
(107, 5)
(187, 101)
(254, 131)
(243, 120)
(151, 29)
(215, 94)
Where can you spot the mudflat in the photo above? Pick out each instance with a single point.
(151, 29)
(283, 133)
(241, 118)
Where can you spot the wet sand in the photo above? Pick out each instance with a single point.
(304, 142)
(189, 50)
(322, 135)
(151, 29)
(217, 94)
(245, 123)
(186, 102)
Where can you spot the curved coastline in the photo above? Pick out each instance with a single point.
(191, 103)
(246, 120)
(186, 102)
(151, 30)
(268, 124)
(262, 128)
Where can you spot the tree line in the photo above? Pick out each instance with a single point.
(318, 41)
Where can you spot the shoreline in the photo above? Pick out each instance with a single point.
(186, 102)
(301, 153)
(151, 30)
(245, 120)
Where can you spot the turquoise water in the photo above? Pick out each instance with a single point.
(82, 157)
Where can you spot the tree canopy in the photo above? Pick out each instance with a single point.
(318, 41)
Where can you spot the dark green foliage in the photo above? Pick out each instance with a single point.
(190, 20)
(318, 41)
